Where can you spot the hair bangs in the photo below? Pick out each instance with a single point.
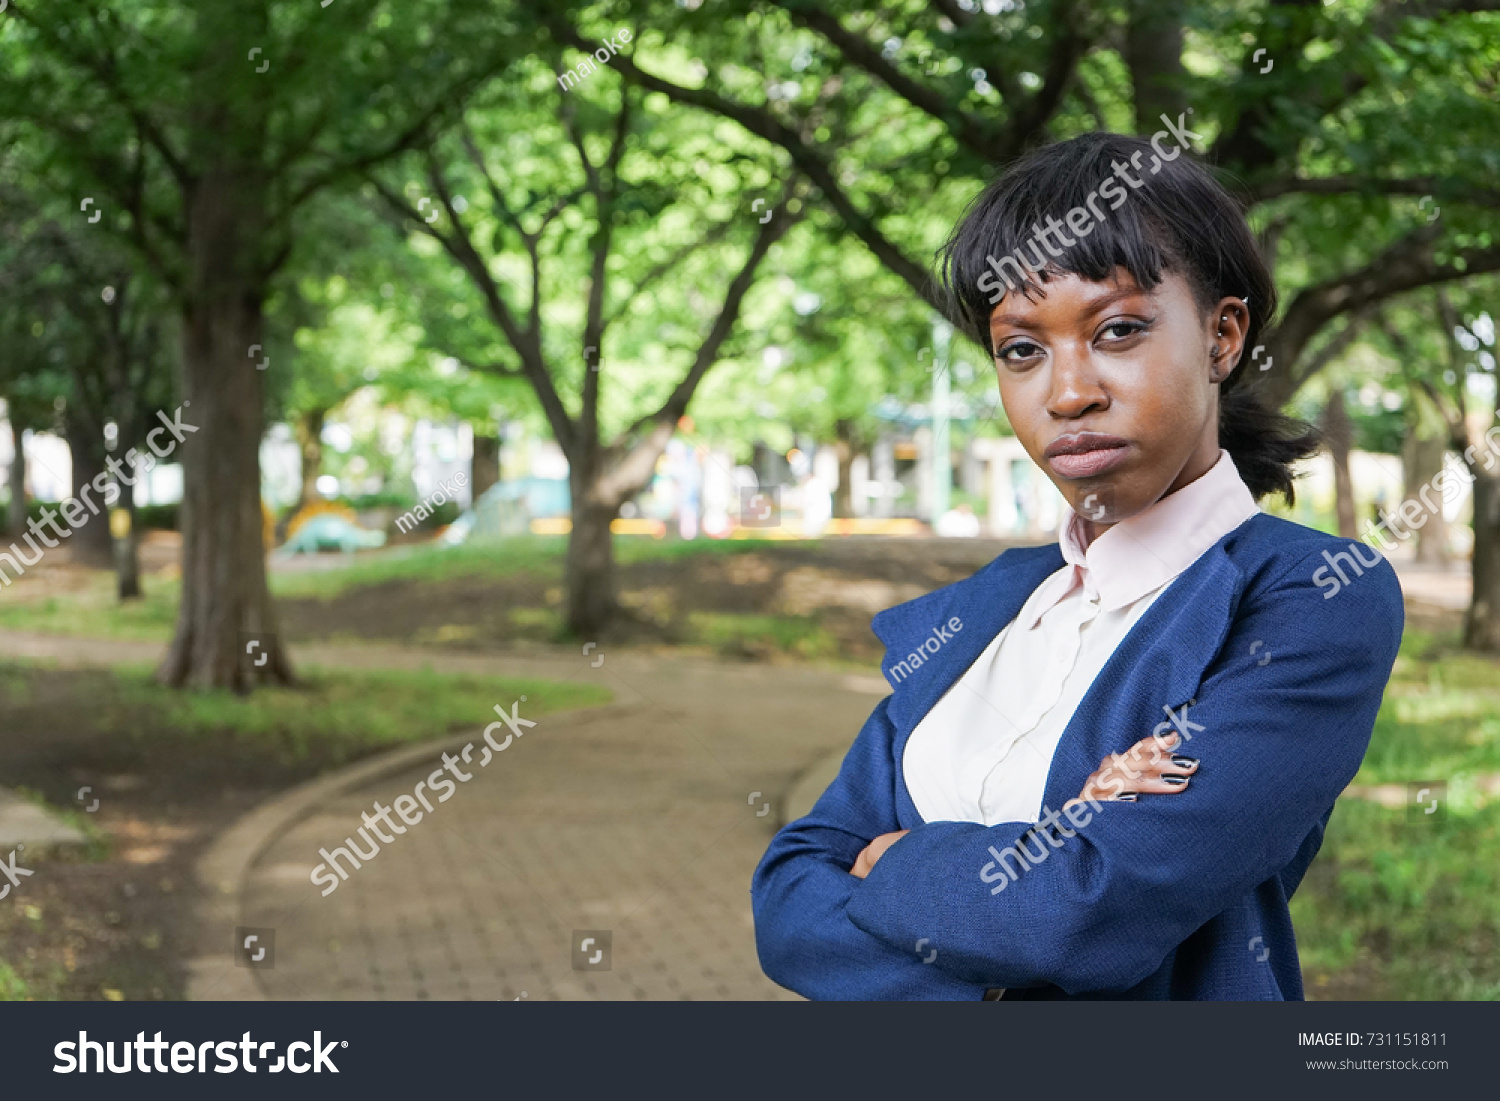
(1050, 214)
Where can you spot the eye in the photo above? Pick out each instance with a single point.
(1124, 329)
(1017, 351)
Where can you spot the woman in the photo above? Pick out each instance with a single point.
(970, 847)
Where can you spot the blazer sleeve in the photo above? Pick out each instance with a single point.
(1100, 912)
(801, 891)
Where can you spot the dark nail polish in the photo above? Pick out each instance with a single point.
(1175, 781)
(1126, 797)
(1184, 762)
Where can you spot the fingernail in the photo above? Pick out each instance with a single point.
(1126, 797)
(1184, 762)
(1175, 781)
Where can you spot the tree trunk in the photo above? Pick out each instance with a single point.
(484, 471)
(90, 542)
(1337, 430)
(843, 447)
(309, 429)
(590, 570)
(127, 549)
(16, 520)
(1153, 54)
(127, 553)
(1482, 625)
(599, 486)
(1422, 460)
(226, 624)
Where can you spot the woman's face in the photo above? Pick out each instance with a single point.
(1113, 390)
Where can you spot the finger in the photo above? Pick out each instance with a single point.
(1163, 743)
(1153, 750)
(1161, 785)
(1124, 766)
(1172, 766)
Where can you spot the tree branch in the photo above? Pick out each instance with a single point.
(1405, 265)
(629, 472)
(806, 157)
(970, 130)
(1444, 188)
(106, 70)
(526, 342)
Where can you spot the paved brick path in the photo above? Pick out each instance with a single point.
(636, 819)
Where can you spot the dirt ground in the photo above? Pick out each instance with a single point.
(836, 585)
(105, 922)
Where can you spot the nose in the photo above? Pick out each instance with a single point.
(1076, 388)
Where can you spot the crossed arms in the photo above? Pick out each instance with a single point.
(1279, 741)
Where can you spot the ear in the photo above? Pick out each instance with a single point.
(1228, 325)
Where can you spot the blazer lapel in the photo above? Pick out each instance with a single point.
(983, 605)
(1158, 665)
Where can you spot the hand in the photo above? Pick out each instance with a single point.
(1146, 768)
(864, 863)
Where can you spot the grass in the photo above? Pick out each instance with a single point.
(1414, 902)
(337, 715)
(539, 554)
(428, 562)
(93, 611)
(1409, 907)
(1441, 716)
(13, 988)
(740, 635)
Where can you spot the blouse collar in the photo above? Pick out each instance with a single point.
(1139, 555)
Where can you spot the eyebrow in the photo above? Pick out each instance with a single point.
(1103, 303)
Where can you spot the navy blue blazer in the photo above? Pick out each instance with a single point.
(1180, 896)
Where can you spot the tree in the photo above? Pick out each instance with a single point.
(978, 89)
(1345, 149)
(201, 134)
(1459, 340)
(636, 243)
(82, 316)
(377, 328)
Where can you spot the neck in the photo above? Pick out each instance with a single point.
(1091, 530)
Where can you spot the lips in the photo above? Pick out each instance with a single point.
(1086, 454)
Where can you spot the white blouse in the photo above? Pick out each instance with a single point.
(983, 752)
